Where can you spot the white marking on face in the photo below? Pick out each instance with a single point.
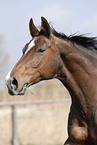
(31, 45)
(8, 76)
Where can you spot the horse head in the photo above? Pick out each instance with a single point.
(38, 62)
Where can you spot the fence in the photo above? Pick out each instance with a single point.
(22, 103)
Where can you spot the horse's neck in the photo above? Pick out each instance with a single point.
(79, 76)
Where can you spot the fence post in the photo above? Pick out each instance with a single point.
(14, 131)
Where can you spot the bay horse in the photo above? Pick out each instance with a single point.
(71, 59)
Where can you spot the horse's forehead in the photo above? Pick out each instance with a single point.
(35, 41)
(42, 39)
(31, 43)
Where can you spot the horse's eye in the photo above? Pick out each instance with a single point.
(40, 50)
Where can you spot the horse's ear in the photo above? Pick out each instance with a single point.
(33, 30)
(45, 27)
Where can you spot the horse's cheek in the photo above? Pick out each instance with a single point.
(49, 69)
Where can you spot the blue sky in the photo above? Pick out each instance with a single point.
(68, 16)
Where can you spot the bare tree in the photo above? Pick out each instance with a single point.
(4, 61)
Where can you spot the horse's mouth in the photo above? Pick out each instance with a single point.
(15, 92)
(12, 91)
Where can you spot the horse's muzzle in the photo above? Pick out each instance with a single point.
(12, 85)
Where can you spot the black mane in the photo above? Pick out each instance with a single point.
(87, 42)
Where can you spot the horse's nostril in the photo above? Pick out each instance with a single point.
(14, 83)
